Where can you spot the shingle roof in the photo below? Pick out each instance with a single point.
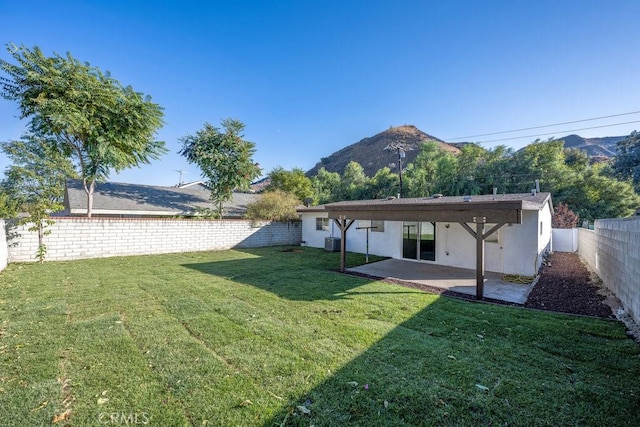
(115, 198)
(529, 202)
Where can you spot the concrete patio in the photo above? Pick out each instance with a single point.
(448, 278)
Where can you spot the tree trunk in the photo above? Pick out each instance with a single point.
(41, 246)
(88, 188)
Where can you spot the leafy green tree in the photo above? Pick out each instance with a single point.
(494, 169)
(88, 115)
(326, 186)
(275, 205)
(468, 181)
(353, 182)
(382, 185)
(577, 160)
(545, 161)
(595, 195)
(294, 181)
(627, 162)
(224, 158)
(8, 206)
(36, 182)
(433, 171)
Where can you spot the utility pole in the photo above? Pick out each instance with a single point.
(400, 149)
(401, 156)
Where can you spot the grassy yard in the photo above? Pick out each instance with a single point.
(257, 337)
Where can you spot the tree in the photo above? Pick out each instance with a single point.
(224, 158)
(627, 161)
(89, 116)
(545, 161)
(294, 182)
(563, 217)
(594, 195)
(353, 182)
(35, 182)
(8, 205)
(326, 186)
(275, 205)
(433, 171)
(382, 185)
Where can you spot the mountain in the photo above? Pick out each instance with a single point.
(373, 155)
(594, 147)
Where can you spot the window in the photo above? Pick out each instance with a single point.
(322, 224)
(377, 226)
(541, 227)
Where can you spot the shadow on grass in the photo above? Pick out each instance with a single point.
(457, 363)
(453, 362)
(293, 274)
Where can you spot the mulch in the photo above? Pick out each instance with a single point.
(566, 285)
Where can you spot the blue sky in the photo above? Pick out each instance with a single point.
(310, 77)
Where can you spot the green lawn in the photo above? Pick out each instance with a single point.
(245, 337)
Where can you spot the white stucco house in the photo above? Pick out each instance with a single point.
(515, 229)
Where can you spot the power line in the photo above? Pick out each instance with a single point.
(554, 133)
(547, 126)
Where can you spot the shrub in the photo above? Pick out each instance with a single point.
(274, 206)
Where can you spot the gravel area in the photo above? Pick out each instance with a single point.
(566, 285)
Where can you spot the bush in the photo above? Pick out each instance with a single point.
(274, 206)
(563, 217)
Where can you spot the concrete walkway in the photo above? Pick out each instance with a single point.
(459, 280)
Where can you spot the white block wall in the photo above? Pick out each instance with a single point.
(4, 250)
(565, 239)
(612, 250)
(77, 238)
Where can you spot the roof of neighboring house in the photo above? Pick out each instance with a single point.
(116, 198)
(493, 207)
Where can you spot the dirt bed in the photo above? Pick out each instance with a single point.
(566, 285)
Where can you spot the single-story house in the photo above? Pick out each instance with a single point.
(116, 199)
(508, 233)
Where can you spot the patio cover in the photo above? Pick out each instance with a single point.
(479, 210)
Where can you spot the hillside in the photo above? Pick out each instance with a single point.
(372, 155)
(371, 152)
(594, 147)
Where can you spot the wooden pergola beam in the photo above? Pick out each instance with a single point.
(480, 237)
(343, 223)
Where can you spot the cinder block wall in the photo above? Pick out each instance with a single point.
(77, 238)
(613, 252)
(4, 251)
(588, 247)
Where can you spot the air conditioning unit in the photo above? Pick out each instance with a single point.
(332, 244)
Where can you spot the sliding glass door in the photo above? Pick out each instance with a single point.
(419, 240)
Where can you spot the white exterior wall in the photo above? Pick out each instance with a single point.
(380, 243)
(385, 243)
(519, 250)
(312, 237)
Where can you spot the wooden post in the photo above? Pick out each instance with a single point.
(344, 225)
(480, 237)
(479, 260)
